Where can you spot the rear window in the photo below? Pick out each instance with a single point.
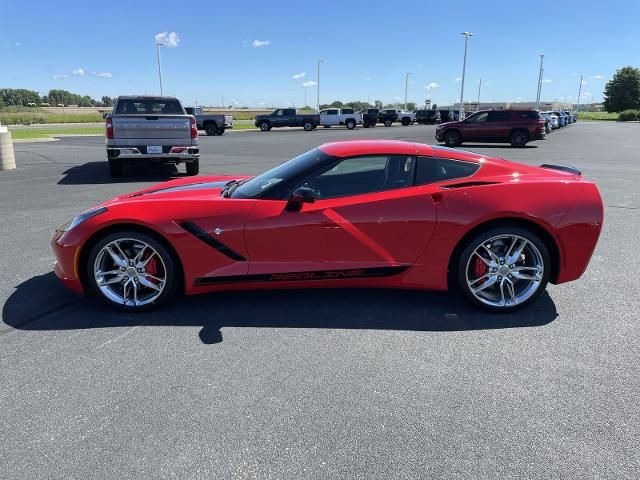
(149, 107)
(434, 169)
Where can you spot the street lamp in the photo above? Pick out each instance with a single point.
(305, 95)
(406, 89)
(539, 82)
(318, 85)
(464, 68)
(479, 87)
(579, 92)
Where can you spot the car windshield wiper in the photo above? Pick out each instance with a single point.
(226, 191)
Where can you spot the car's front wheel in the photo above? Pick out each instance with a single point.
(131, 271)
(503, 269)
(452, 138)
(351, 124)
(308, 126)
(265, 126)
(388, 123)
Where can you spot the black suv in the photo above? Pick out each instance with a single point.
(428, 117)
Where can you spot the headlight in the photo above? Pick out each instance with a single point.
(75, 221)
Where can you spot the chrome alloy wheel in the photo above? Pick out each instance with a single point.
(504, 271)
(130, 272)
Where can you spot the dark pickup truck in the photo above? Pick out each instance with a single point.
(212, 124)
(287, 117)
(428, 117)
(369, 117)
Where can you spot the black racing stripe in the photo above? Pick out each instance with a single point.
(372, 272)
(203, 235)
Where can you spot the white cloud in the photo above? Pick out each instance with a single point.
(546, 80)
(584, 82)
(431, 86)
(61, 76)
(260, 43)
(309, 83)
(597, 77)
(101, 74)
(299, 75)
(168, 39)
(457, 79)
(79, 72)
(17, 44)
(586, 93)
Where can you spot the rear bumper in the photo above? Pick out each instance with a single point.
(175, 153)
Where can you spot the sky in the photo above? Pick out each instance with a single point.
(261, 54)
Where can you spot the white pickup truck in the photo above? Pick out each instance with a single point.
(155, 129)
(340, 116)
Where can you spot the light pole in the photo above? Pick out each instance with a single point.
(305, 95)
(464, 68)
(479, 87)
(579, 93)
(406, 89)
(158, 45)
(539, 82)
(318, 85)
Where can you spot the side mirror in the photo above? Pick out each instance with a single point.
(299, 197)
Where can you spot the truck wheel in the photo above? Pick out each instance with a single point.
(388, 123)
(365, 124)
(308, 126)
(519, 138)
(210, 128)
(193, 167)
(116, 167)
(351, 124)
(406, 121)
(327, 126)
(220, 131)
(265, 126)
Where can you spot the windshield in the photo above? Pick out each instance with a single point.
(284, 174)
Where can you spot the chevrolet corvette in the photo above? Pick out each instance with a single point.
(372, 213)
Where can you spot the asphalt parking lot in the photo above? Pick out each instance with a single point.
(316, 384)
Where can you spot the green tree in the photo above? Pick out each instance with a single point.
(18, 97)
(434, 106)
(411, 106)
(107, 101)
(378, 104)
(337, 104)
(622, 92)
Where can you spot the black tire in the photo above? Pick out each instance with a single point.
(406, 122)
(366, 124)
(171, 266)
(327, 126)
(210, 128)
(452, 138)
(473, 243)
(193, 167)
(308, 126)
(351, 124)
(116, 167)
(220, 131)
(519, 138)
(265, 126)
(388, 123)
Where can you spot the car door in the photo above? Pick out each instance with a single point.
(367, 215)
(475, 127)
(498, 125)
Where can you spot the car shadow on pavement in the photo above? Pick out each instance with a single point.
(98, 173)
(465, 146)
(42, 303)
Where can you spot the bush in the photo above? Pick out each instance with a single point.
(628, 115)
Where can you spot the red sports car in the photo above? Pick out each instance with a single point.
(346, 214)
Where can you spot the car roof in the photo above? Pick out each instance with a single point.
(144, 97)
(349, 148)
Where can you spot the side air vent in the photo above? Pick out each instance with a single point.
(477, 183)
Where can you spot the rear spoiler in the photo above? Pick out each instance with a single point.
(562, 168)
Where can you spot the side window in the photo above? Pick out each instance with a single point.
(360, 175)
(347, 111)
(530, 115)
(332, 112)
(323, 112)
(278, 113)
(479, 117)
(496, 116)
(434, 169)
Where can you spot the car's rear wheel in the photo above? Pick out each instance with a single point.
(519, 138)
(452, 138)
(351, 124)
(406, 122)
(308, 126)
(116, 167)
(210, 128)
(265, 126)
(131, 271)
(220, 131)
(388, 123)
(193, 167)
(503, 269)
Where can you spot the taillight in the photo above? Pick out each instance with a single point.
(194, 127)
(109, 127)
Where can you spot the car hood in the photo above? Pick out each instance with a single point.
(184, 188)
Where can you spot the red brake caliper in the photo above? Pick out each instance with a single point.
(152, 266)
(480, 268)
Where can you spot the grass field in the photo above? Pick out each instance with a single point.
(27, 134)
(31, 116)
(597, 116)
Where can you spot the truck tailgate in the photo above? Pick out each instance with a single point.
(158, 127)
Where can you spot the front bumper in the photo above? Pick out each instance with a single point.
(66, 249)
